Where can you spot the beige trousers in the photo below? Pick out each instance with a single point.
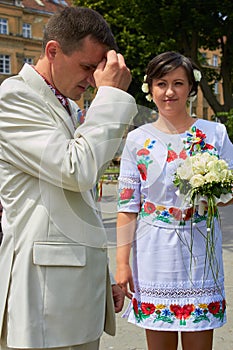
(88, 346)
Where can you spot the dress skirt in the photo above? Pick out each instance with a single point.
(177, 286)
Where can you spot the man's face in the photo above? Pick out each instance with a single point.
(72, 74)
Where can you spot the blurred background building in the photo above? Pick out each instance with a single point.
(21, 29)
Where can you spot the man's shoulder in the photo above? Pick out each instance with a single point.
(26, 82)
(10, 82)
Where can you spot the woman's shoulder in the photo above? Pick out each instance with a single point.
(209, 125)
(142, 131)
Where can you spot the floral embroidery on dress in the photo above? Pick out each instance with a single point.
(196, 143)
(172, 155)
(170, 214)
(125, 195)
(173, 312)
(149, 208)
(143, 156)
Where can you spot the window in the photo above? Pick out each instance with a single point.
(194, 112)
(3, 26)
(204, 58)
(86, 104)
(215, 60)
(216, 88)
(5, 64)
(63, 2)
(60, 2)
(28, 60)
(27, 30)
(18, 2)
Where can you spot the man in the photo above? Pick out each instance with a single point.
(0, 222)
(55, 288)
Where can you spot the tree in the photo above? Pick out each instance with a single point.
(146, 28)
(131, 40)
(196, 24)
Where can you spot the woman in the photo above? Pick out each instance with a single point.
(174, 287)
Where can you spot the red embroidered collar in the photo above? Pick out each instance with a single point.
(63, 100)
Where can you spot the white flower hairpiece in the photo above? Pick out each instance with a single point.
(197, 75)
(145, 89)
(192, 98)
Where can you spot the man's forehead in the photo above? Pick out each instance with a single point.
(92, 62)
(88, 64)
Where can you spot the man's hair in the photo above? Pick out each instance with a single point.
(69, 26)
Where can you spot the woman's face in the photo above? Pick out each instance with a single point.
(170, 92)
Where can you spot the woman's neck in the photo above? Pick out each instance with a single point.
(174, 126)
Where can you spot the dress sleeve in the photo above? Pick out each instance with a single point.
(129, 183)
(226, 149)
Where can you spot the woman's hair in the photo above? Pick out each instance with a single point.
(73, 24)
(167, 62)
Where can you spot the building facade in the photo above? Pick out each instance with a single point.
(200, 107)
(21, 30)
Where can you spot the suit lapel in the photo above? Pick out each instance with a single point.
(36, 82)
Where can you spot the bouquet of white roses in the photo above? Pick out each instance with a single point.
(205, 177)
(204, 180)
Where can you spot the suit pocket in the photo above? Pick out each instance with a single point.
(59, 254)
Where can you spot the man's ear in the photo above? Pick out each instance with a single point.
(52, 49)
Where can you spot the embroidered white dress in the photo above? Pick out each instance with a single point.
(177, 287)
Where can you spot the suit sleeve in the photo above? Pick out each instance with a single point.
(34, 143)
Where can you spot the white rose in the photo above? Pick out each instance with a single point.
(207, 157)
(149, 97)
(212, 166)
(185, 170)
(226, 175)
(145, 88)
(197, 74)
(199, 166)
(222, 165)
(217, 165)
(212, 177)
(197, 181)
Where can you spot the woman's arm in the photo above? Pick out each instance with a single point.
(221, 204)
(126, 225)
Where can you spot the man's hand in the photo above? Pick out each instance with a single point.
(112, 71)
(118, 297)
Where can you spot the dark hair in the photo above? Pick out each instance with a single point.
(69, 26)
(167, 62)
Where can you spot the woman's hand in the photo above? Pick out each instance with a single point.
(124, 279)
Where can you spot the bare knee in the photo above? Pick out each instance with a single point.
(201, 340)
(161, 340)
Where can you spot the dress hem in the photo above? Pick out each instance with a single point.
(177, 329)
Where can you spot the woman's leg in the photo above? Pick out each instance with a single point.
(201, 340)
(161, 340)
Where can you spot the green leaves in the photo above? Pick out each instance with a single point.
(145, 29)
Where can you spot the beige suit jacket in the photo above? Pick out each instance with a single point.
(55, 288)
